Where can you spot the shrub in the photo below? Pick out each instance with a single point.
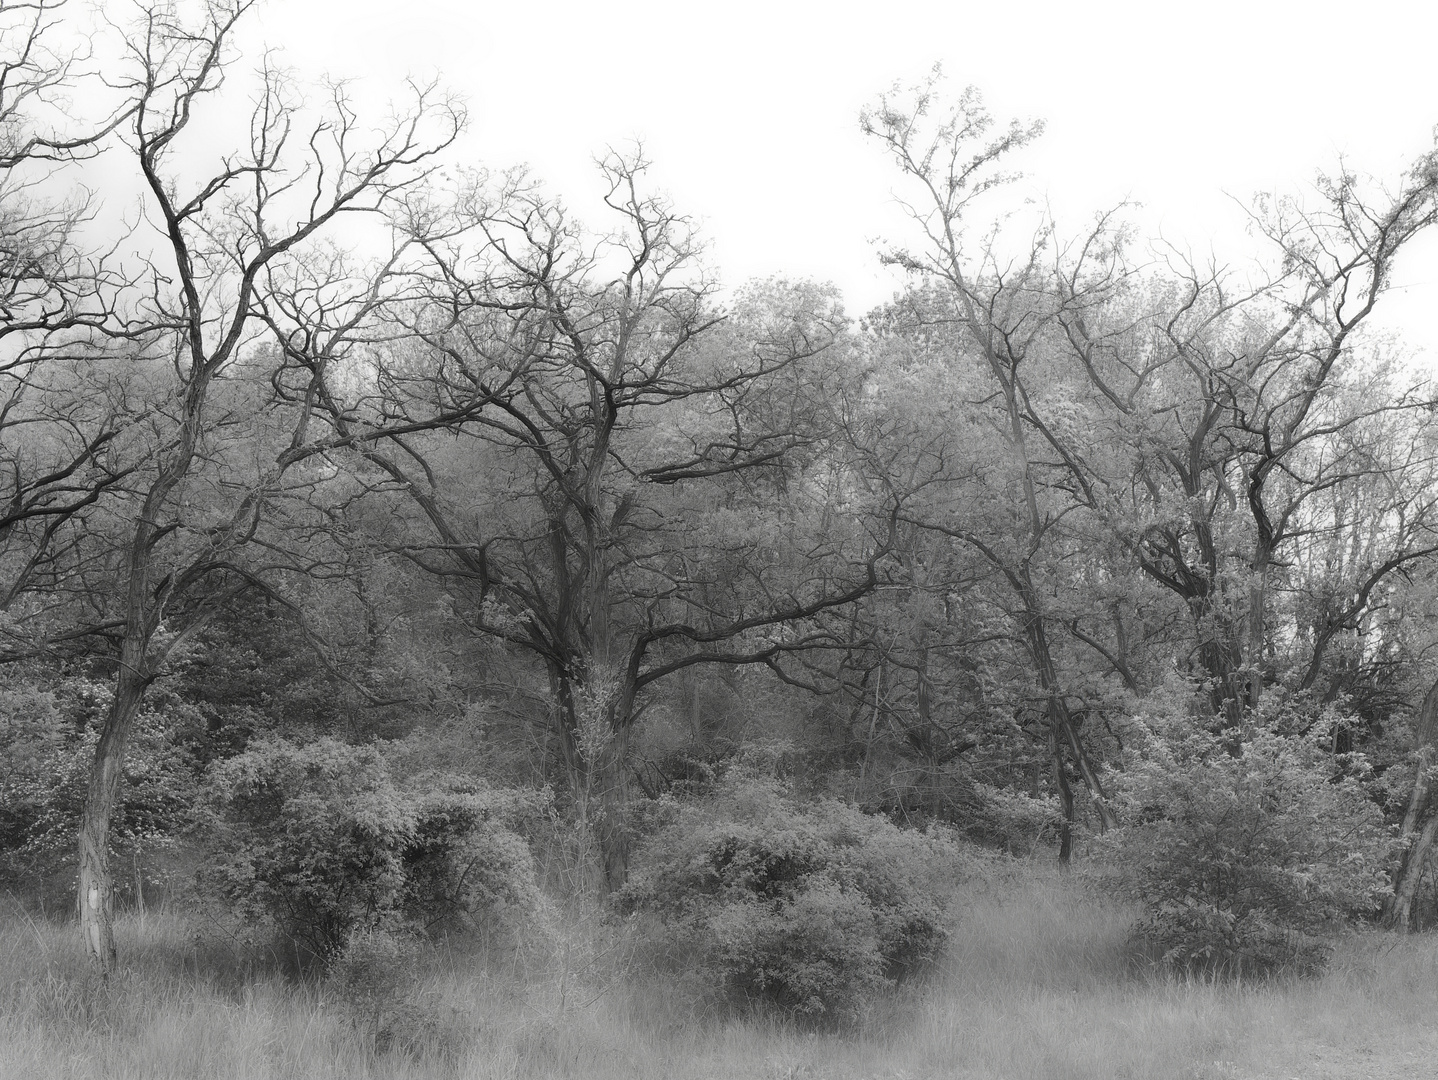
(319, 842)
(465, 866)
(812, 908)
(1244, 853)
(1010, 820)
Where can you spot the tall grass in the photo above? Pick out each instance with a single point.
(1037, 982)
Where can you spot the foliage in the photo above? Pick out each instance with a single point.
(1010, 819)
(466, 867)
(812, 907)
(47, 743)
(1245, 848)
(512, 474)
(320, 842)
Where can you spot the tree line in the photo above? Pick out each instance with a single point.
(482, 464)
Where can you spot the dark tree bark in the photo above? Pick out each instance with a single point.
(616, 408)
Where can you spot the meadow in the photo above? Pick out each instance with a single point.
(1038, 981)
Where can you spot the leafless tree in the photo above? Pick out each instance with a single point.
(222, 243)
(603, 417)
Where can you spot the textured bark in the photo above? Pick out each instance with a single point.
(96, 890)
(1063, 730)
(593, 730)
(1066, 799)
(1406, 887)
(1416, 842)
(612, 822)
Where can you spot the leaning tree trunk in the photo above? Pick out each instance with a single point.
(1063, 731)
(1405, 887)
(143, 608)
(1408, 870)
(1066, 798)
(96, 892)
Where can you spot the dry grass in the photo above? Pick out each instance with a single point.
(1037, 984)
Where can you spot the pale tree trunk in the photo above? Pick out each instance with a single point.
(143, 609)
(1407, 872)
(96, 890)
(1405, 889)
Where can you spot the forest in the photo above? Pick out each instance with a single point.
(446, 632)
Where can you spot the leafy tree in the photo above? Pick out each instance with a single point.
(1002, 315)
(1239, 445)
(320, 842)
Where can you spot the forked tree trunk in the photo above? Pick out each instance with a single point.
(1063, 732)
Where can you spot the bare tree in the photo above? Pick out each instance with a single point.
(607, 423)
(56, 307)
(1261, 436)
(222, 240)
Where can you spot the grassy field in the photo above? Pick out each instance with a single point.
(1036, 984)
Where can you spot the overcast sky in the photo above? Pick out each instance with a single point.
(749, 109)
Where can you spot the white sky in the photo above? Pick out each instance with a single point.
(748, 109)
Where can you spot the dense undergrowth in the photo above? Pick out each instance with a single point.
(1038, 979)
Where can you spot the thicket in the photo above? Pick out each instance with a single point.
(1246, 849)
(807, 905)
(48, 731)
(319, 842)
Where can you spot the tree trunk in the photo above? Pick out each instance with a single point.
(612, 820)
(1066, 799)
(1405, 888)
(1251, 679)
(96, 893)
(1062, 729)
(1407, 871)
(594, 725)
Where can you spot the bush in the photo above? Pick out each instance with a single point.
(811, 908)
(465, 867)
(319, 842)
(1244, 853)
